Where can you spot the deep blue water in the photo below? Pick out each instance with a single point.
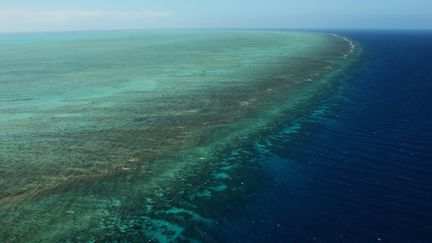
(363, 172)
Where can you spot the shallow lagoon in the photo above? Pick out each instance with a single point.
(144, 135)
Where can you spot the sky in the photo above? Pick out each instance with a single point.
(72, 15)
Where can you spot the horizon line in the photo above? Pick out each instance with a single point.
(218, 28)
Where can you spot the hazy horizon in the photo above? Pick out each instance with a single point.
(50, 15)
(215, 29)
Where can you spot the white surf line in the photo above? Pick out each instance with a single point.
(350, 43)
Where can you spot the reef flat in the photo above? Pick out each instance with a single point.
(141, 135)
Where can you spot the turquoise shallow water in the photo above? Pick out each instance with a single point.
(143, 135)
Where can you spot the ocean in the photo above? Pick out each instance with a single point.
(363, 171)
(219, 136)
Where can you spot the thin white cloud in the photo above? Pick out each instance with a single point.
(65, 15)
(28, 20)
